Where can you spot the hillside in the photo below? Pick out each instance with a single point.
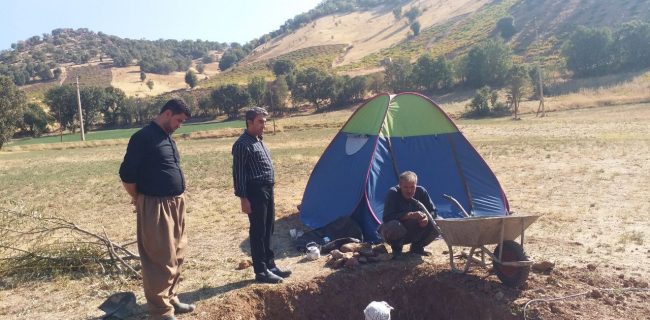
(449, 28)
(344, 36)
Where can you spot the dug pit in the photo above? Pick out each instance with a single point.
(415, 289)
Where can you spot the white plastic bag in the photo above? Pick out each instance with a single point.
(378, 310)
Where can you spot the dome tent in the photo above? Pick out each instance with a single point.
(387, 135)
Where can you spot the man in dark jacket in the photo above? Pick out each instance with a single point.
(152, 176)
(408, 216)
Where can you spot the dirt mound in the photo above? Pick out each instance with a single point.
(416, 290)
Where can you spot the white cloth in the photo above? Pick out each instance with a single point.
(378, 310)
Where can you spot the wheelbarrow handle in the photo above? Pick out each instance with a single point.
(454, 201)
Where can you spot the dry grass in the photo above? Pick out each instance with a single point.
(365, 32)
(586, 171)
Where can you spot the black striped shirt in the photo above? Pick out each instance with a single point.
(251, 161)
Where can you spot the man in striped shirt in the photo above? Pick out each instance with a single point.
(253, 177)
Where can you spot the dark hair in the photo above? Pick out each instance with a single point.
(176, 106)
(252, 113)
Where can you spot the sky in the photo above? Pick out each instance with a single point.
(216, 20)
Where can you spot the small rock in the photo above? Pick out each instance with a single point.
(591, 267)
(336, 254)
(608, 301)
(555, 308)
(244, 264)
(445, 252)
(379, 249)
(351, 263)
(620, 298)
(621, 276)
(521, 301)
(543, 266)
(338, 263)
(595, 294)
(642, 284)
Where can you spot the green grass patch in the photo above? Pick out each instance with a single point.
(123, 133)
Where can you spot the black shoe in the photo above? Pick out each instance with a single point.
(267, 277)
(420, 251)
(282, 273)
(180, 307)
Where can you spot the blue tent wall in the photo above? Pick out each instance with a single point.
(337, 183)
(485, 191)
(432, 159)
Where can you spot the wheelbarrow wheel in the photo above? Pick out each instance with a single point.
(510, 275)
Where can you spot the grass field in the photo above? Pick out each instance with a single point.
(583, 169)
(586, 171)
(121, 133)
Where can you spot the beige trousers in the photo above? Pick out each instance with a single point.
(161, 243)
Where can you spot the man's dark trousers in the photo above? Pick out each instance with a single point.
(418, 237)
(262, 221)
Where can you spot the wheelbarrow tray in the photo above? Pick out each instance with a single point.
(479, 231)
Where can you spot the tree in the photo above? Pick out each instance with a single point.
(397, 13)
(518, 84)
(200, 67)
(92, 102)
(231, 98)
(398, 75)
(313, 85)
(143, 76)
(632, 43)
(191, 78)
(257, 90)
(433, 74)
(488, 63)
(506, 27)
(480, 105)
(283, 67)
(415, 27)
(412, 14)
(35, 120)
(113, 101)
(12, 105)
(207, 58)
(150, 84)
(587, 51)
(57, 73)
(63, 105)
(352, 89)
(227, 60)
(277, 95)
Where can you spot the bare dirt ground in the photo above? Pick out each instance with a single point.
(585, 171)
(365, 32)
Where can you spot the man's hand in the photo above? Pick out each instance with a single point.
(245, 206)
(421, 217)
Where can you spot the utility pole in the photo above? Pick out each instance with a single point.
(540, 84)
(81, 118)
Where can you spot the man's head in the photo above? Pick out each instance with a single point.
(256, 121)
(172, 115)
(408, 181)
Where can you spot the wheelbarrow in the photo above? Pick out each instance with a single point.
(509, 260)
